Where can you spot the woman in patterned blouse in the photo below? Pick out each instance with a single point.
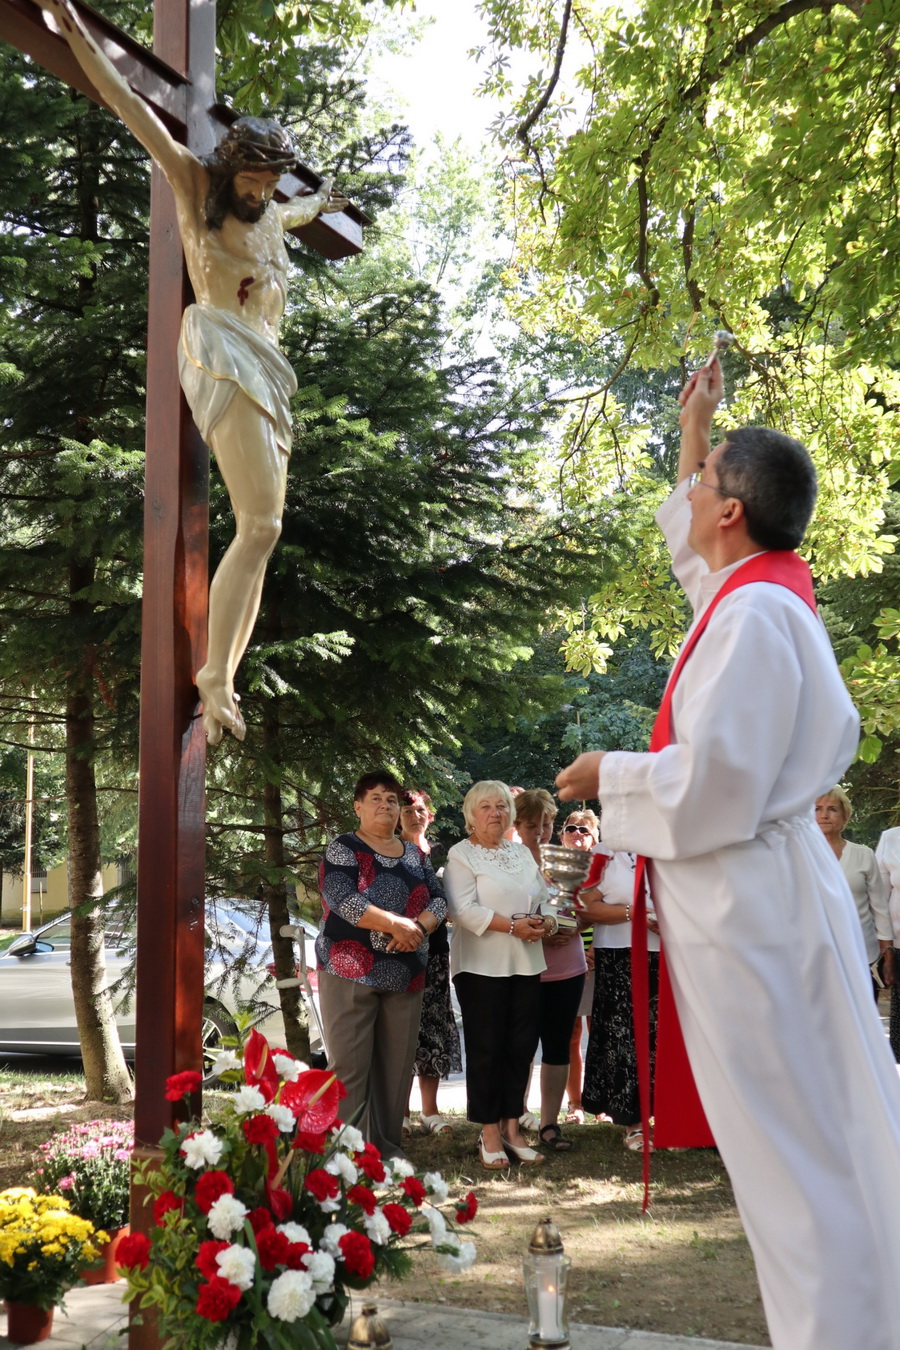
(380, 902)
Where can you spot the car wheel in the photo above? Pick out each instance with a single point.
(216, 1024)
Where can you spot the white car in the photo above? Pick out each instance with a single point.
(37, 1011)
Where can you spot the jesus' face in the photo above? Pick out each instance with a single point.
(251, 192)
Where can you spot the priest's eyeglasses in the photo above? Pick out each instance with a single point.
(695, 480)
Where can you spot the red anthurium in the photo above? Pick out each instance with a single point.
(280, 1202)
(314, 1098)
(259, 1070)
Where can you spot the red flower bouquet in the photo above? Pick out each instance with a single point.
(266, 1217)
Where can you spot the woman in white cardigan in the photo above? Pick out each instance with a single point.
(888, 856)
(860, 867)
(496, 959)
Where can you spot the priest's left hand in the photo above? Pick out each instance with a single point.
(582, 778)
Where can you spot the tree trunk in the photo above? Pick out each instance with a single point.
(105, 1070)
(293, 1008)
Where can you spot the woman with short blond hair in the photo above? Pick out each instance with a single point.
(492, 885)
(860, 866)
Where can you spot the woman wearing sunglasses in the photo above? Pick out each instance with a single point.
(581, 830)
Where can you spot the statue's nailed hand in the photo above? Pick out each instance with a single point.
(331, 200)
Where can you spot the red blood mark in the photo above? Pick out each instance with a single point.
(243, 294)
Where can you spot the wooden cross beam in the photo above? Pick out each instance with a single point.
(170, 93)
(178, 80)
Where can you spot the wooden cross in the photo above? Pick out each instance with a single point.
(177, 79)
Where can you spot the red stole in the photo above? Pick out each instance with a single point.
(679, 1119)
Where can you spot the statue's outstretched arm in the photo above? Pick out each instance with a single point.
(175, 160)
(301, 210)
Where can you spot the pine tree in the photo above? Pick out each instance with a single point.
(72, 272)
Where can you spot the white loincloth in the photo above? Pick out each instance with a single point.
(217, 355)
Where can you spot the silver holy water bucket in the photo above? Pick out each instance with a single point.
(565, 870)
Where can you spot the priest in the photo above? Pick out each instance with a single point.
(763, 948)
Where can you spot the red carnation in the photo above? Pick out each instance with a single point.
(369, 1163)
(399, 1218)
(133, 1250)
(210, 1187)
(260, 1219)
(310, 1143)
(164, 1203)
(260, 1129)
(182, 1084)
(357, 1255)
(206, 1258)
(362, 1196)
(322, 1184)
(217, 1299)
(272, 1247)
(466, 1209)
(295, 1254)
(413, 1187)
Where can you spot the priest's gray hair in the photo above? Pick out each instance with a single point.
(775, 479)
(488, 787)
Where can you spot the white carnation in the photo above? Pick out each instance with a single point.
(464, 1258)
(378, 1228)
(329, 1206)
(332, 1236)
(283, 1118)
(339, 1165)
(295, 1232)
(435, 1183)
(288, 1068)
(321, 1268)
(401, 1167)
(224, 1062)
(291, 1296)
(247, 1099)
(437, 1223)
(203, 1149)
(226, 1216)
(237, 1265)
(349, 1137)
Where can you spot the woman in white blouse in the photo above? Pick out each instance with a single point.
(887, 855)
(496, 959)
(860, 867)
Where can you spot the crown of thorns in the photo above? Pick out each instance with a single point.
(255, 143)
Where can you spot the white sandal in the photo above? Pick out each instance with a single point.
(494, 1162)
(407, 1125)
(634, 1140)
(528, 1157)
(436, 1125)
(529, 1122)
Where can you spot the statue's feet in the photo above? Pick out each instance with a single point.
(220, 709)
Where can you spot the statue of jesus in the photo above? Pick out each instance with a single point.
(236, 381)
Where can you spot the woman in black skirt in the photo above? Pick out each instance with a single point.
(438, 1052)
(610, 1066)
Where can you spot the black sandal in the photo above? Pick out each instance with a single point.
(551, 1137)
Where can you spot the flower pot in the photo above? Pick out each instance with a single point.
(107, 1273)
(26, 1323)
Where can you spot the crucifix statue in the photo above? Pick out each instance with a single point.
(171, 89)
(235, 379)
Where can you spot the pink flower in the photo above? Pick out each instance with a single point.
(66, 1183)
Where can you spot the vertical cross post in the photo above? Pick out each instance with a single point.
(171, 805)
